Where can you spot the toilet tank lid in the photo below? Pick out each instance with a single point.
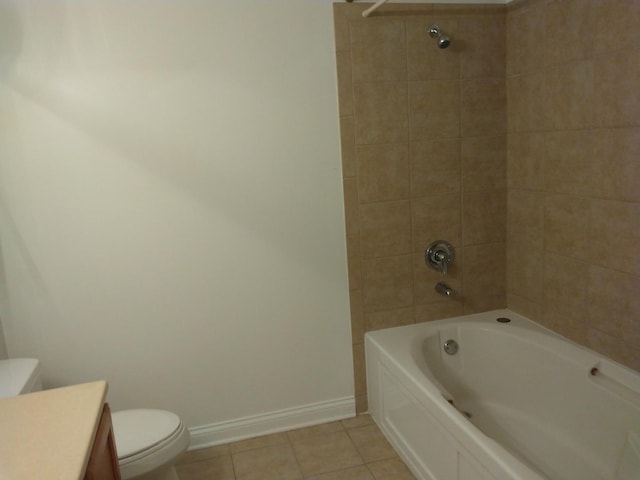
(139, 429)
(17, 376)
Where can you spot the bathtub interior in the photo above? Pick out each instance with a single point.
(629, 464)
(534, 394)
(542, 404)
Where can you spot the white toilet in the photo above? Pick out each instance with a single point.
(148, 441)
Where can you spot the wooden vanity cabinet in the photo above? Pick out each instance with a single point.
(103, 460)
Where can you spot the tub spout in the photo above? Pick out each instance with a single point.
(444, 289)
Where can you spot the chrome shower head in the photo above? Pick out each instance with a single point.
(443, 40)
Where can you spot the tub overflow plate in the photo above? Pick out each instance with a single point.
(451, 347)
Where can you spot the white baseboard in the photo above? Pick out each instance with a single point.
(279, 421)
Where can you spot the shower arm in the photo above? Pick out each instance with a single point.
(373, 8)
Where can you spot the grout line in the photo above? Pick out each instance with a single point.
(410, 160)
(295, 456)
(461, 294)
(233, 465)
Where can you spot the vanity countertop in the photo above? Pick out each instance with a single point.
(49, 434)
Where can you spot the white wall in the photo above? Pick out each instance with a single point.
(172, 215)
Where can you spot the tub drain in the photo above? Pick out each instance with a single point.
(451, 347)
(466, 414)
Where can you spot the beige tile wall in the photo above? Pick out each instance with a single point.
(573, 174)
(424, 158)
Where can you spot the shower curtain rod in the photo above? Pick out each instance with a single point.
(373, 8)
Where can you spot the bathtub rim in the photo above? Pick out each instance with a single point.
(575, 353)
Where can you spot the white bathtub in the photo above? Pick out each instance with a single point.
(540, 406)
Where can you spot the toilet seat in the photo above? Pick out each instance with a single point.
(147, 440)
(141, 429)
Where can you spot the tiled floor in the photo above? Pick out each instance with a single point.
(352, 449)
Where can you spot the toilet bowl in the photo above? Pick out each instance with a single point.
(148, 443)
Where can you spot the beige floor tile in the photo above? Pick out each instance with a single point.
(326, 453)
(204, 454)
(259, 442)
(268, 463)
(314, 430)
(356, 473)
(391, 469)
(359, 421)
(219, 468)
(330, 451)
(371, 444)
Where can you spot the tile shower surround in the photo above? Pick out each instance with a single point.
(519, 144)
(573, 154)
(423, 135)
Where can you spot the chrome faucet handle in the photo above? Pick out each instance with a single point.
(442, 259)
(439, 255)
